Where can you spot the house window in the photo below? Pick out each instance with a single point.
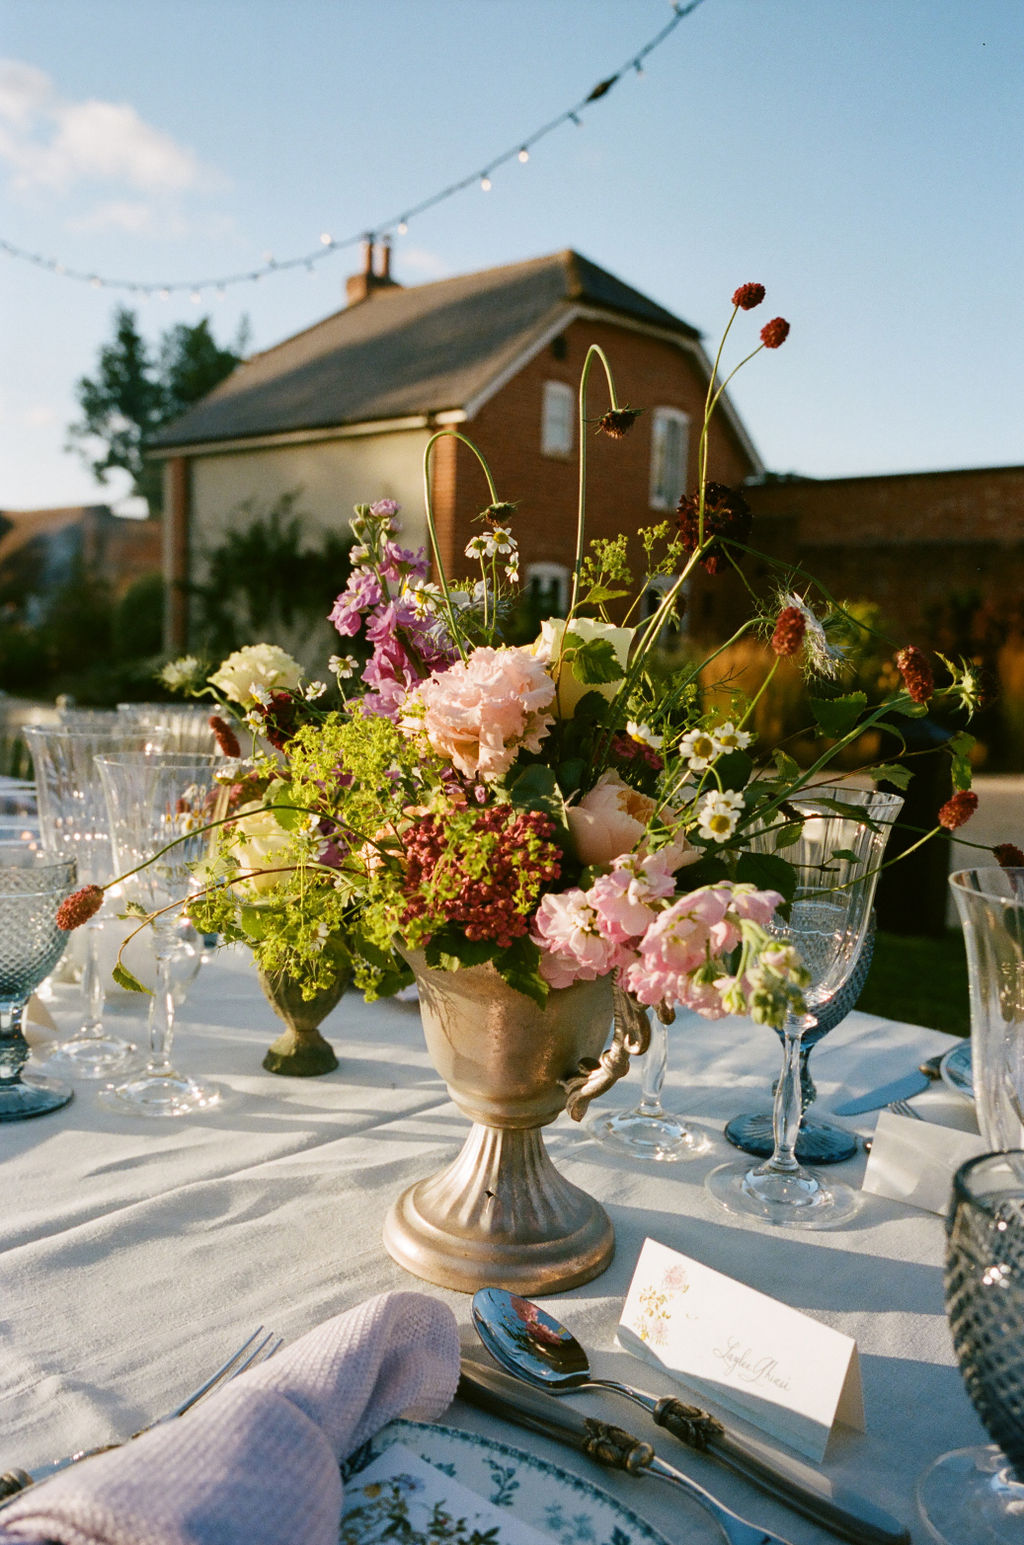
(669, 434)
(556, 419)
(547, 589)
(657, 589)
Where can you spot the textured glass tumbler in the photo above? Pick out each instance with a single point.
(32, 887)
(991, 907)
(838, 850)
(817, 1142)
(975, 1496)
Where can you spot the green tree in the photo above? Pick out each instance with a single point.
(136, 390)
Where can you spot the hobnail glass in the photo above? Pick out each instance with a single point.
(32, 886)
(975, 1496)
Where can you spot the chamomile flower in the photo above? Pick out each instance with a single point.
(478, 547)
(699, 749)
(313, 690)
(343, 666)
(718, 813)
(644, 735)
(728, 738)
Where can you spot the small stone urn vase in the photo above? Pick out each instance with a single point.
(501, 1213)
(301, 1051)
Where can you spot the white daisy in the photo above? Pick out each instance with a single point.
(718, 813)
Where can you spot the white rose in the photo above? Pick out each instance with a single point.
(570, 687)
(263, 666)
(261, 844)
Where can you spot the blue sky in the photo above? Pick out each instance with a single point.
(861, 158)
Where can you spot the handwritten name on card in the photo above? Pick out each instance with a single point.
(786, 1373)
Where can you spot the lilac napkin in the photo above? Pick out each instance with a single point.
(257, 1463)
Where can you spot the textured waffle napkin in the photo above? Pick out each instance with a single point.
(257, 1463)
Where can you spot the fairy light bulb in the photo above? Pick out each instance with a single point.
(485, 184)
(403, 228)
(524, 155)
(326, 239)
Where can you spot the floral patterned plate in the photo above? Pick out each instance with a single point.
(955, 1070)
(562, 1506)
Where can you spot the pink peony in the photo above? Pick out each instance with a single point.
(480, 712)
(613, 819)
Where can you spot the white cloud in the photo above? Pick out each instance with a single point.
(52, 143)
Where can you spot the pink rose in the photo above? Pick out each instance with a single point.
(613, 819)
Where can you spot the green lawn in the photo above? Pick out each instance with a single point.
(920, 980)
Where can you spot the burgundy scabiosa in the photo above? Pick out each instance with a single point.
(224, 735)
(775, 333)
(727, 517)
(958, 809)
(790, 628)
(748, 296)
(917, 674)
(618, 421)
(77, 908)
(1008, 855)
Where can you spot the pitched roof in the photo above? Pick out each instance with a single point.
(406, 352)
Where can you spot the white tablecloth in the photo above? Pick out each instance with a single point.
(136, 1253)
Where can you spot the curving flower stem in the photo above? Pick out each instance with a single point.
(428, 504)
(594, 352)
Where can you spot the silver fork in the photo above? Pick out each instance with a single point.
(904, 1108)
(260, 1345)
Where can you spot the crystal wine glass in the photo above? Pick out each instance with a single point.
(74, 821)
(975, 1496)
(160, 804)
(182, 727)
(647, 1130)
(32, 886)
(817, 1142)
(842, 839)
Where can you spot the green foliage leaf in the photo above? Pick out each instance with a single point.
(787, 769)
(519, 966)
(907, 709)
(960, 747)
(536, 788)
(133, 909)
(896, 773)
(593, 659)
(733, 770)
(124, 978)
(837, 716)
(768, 872)
(597, 595)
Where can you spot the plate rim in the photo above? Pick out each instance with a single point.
(956, 1080)
(642, 1527)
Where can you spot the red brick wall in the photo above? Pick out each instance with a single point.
(648, 373)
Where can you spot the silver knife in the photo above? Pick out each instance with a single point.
(902, 1088)
(785, 1477)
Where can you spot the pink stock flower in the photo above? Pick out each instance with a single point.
(481, 712)
(566, 930)
(623, 900)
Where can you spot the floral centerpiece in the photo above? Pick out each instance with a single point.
(557, 812)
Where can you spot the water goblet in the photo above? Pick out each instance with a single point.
(647, 1130)
(842, 838)
(990, 902)
(32, 886)
(975, 1496)
(160, 804)
(817, 1142)
(74, 821)
(182, 727)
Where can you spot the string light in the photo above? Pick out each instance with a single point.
(400, 224)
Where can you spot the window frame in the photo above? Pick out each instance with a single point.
(660, 419)
(562, 393)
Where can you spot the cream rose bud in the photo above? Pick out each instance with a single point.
(570, 687)
(613, 819)
(263, 666)
(260, 843)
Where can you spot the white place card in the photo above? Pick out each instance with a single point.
(788, 1374)
(914, 1161)
(399, 1496)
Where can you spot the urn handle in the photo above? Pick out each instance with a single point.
(631, 1039)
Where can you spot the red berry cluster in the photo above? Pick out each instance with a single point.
(489, 900)
(958, 809)
(224, 735)
(77, 908)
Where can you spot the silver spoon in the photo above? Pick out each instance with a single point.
(535, 1348)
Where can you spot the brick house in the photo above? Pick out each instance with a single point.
(344, 412)
(42, 551)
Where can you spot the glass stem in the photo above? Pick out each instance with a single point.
(94, 987)
(161, 1015)
(786, 1113)
(654, 1066)
(13, 1046)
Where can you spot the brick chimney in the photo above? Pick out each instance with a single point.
(376, 272)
